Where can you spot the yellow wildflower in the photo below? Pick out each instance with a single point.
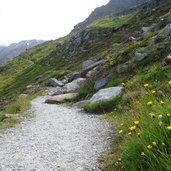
(133, 128)
(163, 144)
(122, 124)
(169, 128)
(168, 114)
(136, 122)
(120, 131)
(150, 103)
(149, 147)
(154, 143)
(170, 82)
(153, 91)
(138, 134)
(161, 102)
(146, 85)
(129, 133)
(119, 159)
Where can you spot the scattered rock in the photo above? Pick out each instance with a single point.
(131, 39)
(84, 72)
(165, 32)
(122, 68)
(53, 82)
(167, 60)
(32, 88)
(87, 63)
(22, 96)
(71, 76)
(100, 83)
(74, 85)
(92, 73)
(61, 98)
(141, 54)
(152, 28)
(14, 116)
(106, 94)
(162, 45)
(81, 103)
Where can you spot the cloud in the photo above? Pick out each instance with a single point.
(42, 19)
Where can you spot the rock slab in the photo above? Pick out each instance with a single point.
(60, 98)
(53, 82)
(106, 94)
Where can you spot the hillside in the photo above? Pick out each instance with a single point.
(114, 7)
(15, 49)
(129, 53)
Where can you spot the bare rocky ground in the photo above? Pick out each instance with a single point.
(56, 138)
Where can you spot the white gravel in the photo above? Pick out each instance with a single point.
(56, 138)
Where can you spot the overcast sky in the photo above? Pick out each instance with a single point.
(41, 19)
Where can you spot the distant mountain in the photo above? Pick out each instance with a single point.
(15, 49)
(113, 7)
(2, 47)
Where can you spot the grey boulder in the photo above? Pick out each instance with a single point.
(140, 56)
(100, 83)
(165, 32)
(106, 94)
(74, 85)
(87, 63)
(61, 98)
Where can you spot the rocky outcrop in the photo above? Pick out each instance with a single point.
(74, 85)
(87, 63)
(61, 98)
(167, 60)
(122, 68)
(53, 82)
(165, 33)
(140, 54)
(92, 73)
(32, 88)
(102, 82)
(22, 96)
(151, 28)
(106, 94)
(91, 67)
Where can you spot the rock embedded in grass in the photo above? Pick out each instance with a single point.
(100, 83)
(106, 94)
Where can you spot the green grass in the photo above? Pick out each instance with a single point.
(131, 148)
(103, 107)
(53, 60)
(111, 22)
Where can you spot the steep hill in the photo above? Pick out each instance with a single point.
(15, 49)
(133, 50)
(112, 8)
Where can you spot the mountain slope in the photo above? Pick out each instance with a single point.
(113, 7)
(15, 49)
(134, 48)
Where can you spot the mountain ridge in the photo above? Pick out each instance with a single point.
(15, 49)
(113, 7)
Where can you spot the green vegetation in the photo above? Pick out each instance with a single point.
(103, 107)
(112, 22)
(143, 141)
(142, 114)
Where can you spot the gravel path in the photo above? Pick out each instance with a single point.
(56, 138)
